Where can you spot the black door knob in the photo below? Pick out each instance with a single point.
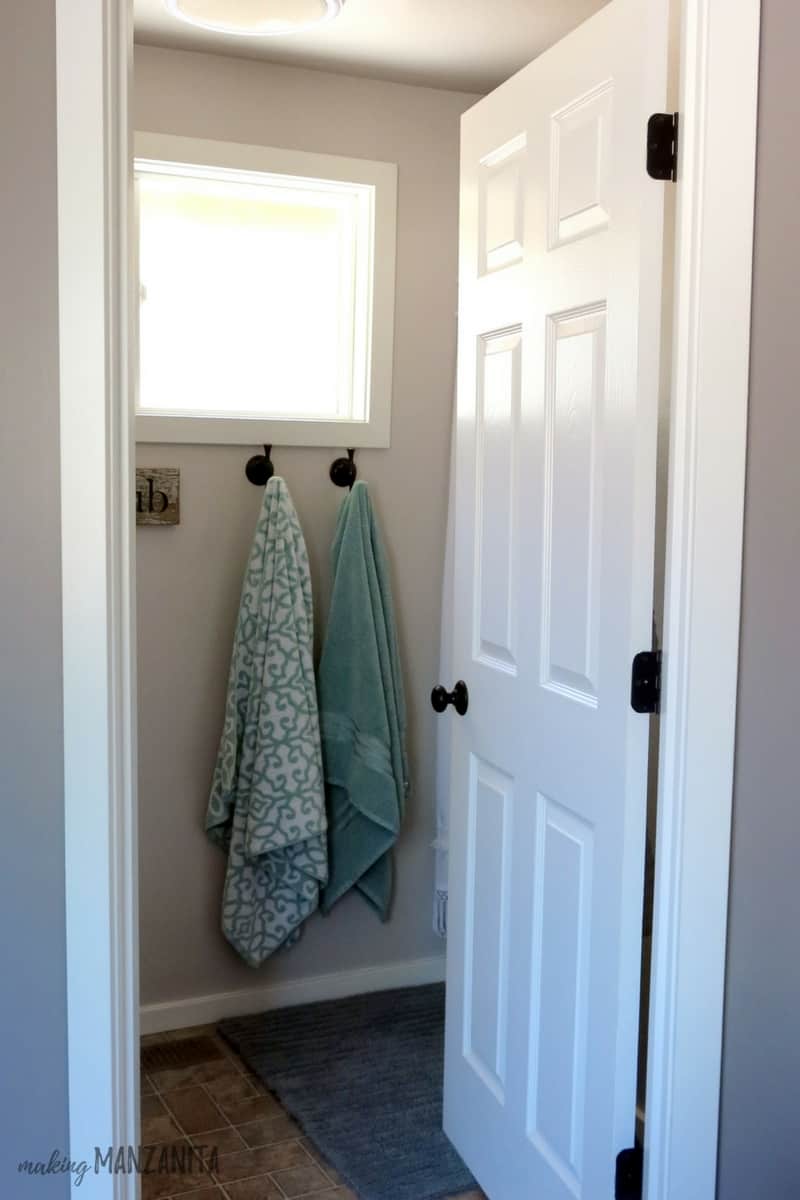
(459, 698)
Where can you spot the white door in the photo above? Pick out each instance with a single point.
(560, 257)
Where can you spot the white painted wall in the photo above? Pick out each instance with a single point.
(189, 578)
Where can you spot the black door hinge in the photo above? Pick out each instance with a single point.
(646, 681)
(628, 1177)
(662, 146)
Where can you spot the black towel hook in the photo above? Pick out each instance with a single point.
(344, 471)
(259, 468)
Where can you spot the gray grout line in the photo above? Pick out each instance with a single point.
(269, 1174)
(213, 1180)
(223, 1190)
(324, 1165)
(243, 1071)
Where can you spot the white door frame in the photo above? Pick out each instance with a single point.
(718, 106)
(708, 442)
(94, 73)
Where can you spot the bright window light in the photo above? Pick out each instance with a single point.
(256, 294)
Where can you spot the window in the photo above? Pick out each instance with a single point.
(266, 294)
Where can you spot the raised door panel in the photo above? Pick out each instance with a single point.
(579, 165)
(488, 894)
(561, 923)
(498, 371)
(501, 214)
(575, 371)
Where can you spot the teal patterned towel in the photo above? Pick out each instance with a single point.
(267, 804)
(362, 712)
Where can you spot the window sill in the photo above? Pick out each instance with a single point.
(243, 431)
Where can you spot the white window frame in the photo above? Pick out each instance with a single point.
(375, 431)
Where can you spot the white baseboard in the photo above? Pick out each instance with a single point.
(203, 1010)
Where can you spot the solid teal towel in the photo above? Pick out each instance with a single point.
(362, 713)
(267, 804)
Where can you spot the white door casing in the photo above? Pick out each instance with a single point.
(718, 122)
(559, 319)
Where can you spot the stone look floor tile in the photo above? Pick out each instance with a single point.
(180, 1077)
(224, 1141)
(192, 1031)
(230, 1089)
(258, 1162)
(242, 1112)
(301, 1181)
(312, 1150)
(269, 1131)
(151, 1106)
(229, 1052)
(194, 1110)
(261, 1188)
(157, 1184)
(154, 1039)
(261, 1152)
(178, 1151)
(318, 1158)
(258, 1084)
(161, 1187)
(158, 1129)
(212, 1193)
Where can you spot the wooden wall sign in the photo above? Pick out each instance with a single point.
(158, 491)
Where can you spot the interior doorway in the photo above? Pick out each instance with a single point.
(121, 1083)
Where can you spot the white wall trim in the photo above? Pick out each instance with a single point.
(203, 1010)
(718, 107)
(93, 71)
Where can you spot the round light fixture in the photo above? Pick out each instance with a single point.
(255, 18)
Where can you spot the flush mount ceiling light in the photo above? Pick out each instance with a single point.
(255, 18)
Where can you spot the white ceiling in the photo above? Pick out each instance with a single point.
(465, 45)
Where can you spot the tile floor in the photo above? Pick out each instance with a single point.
(260, 1153)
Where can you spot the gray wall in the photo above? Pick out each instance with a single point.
(33, 1085)
(189, 578)
(760, 1148)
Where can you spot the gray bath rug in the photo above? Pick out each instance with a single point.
(363, 1077)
